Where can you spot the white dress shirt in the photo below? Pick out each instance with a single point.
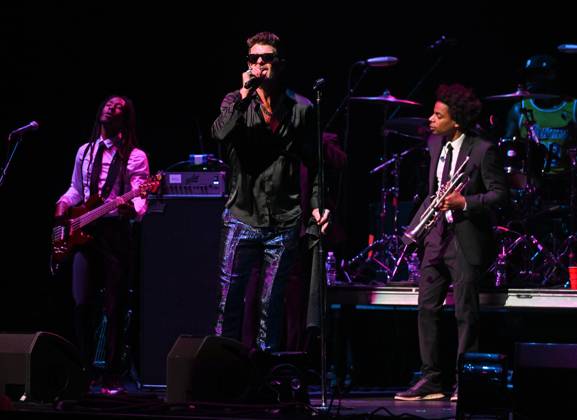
(137, 172)
(456, 144)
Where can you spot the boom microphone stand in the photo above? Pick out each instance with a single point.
(15, 137)
(320, 266)
(9, 160)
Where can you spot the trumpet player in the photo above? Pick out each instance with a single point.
(459, 245)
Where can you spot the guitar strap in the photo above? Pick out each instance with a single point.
(117, 165)
(86, 150)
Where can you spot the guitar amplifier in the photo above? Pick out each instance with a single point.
(194, 184)
(179, 277)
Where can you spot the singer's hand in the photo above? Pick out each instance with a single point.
(323, 222)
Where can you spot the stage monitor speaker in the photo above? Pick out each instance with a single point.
(544, 380)
(209, 369)
(178, 277)
(219, 369)
(40, 366)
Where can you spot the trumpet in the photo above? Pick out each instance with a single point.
(431, 215)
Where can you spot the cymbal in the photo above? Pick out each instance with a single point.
(385, 98)
(520, 93)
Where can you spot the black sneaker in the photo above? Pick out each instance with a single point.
(425, 389)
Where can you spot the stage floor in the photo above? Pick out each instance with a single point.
(147, 405)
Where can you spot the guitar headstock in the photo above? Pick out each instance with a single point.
(151, 185)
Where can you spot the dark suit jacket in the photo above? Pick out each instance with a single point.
(485, 192)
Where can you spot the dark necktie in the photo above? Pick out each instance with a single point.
(96, 168)
(447, 168)
(444, 179)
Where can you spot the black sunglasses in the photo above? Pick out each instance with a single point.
(266, 57)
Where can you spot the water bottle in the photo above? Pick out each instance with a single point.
(501, 268)
(331, 268)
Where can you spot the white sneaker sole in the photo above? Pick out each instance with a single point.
(435, 396)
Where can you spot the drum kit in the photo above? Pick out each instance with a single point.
(530, 255)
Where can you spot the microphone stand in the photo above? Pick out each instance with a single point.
(350, 91)
(319, 247)
(9, 160)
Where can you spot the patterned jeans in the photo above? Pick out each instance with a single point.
(243, 249)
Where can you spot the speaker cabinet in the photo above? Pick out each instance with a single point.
(179, 368)
(220, 369)
(178, 277)
(41, 367)
(544, 380)
(209, 369)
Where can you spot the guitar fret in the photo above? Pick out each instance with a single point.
(105, 208)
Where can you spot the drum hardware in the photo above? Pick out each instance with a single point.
(384, 250)
(408, 127)
(525, 256)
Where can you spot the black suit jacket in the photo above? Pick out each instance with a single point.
(485, 192)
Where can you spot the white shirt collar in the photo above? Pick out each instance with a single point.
(108, 142)
(457, 142)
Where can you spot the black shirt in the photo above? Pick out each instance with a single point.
(265, 164)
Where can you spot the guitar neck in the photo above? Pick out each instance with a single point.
(104, 209)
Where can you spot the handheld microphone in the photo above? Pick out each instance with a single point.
(385, 61)
(32, 126)
(253, 82)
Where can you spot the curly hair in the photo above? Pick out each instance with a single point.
(265, 38)
(463, 105)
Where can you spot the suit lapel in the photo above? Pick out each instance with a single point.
(465, 150)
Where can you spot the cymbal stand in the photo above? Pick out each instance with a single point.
(551, 263)
(532, 137)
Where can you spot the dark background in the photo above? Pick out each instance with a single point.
(177, 62)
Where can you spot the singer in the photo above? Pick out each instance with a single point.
(460, 246)
(267, 130)
(107, 166)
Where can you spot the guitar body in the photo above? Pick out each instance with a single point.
(65, 239)
(68, 236)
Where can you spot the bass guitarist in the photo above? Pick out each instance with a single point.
(105, 168)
